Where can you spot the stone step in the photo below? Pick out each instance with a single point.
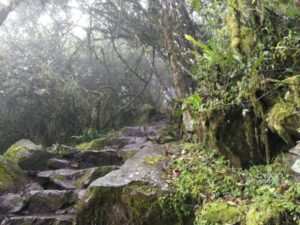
(39, 220)
(11, 203)
(70, 179)
(139, 131)
(56, 163)
(94, 158)
(49, 201)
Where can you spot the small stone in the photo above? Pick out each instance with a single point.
(11, 203)
(296, 166)
(296, 149)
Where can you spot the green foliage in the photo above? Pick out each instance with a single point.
(219, 212)
(196, 4)
(91, 134)
(203, 179)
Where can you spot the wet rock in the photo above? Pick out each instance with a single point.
(132, 191)
(87, 159)
(49, 201)
(135, 169)
(28, 155)
(69, 179)
(39, 220)
(58, 163)
(11, 203)
(62, 178)
(11, 176)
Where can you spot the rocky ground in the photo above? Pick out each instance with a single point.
(44, 186)
(116, 180)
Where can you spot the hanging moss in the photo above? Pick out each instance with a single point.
(277, 116)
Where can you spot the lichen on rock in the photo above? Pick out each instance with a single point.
(11, 175)
(128, 196)
(28, 155)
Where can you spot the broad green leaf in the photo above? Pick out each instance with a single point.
(198, 44)
(196, 4)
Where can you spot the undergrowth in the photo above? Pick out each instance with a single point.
(199, 178)
(91, 134)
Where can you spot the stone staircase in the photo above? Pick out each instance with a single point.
(50, 196)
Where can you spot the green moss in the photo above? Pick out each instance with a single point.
(93, 175)
(219, 212)
(134, 204)
(262, 213)
(10, 175)
(99, 144)
(201, 176)
(276, 117)
(126, 154)
(293, 83)
(28, 155)
(154, 160)
(13, 152)
(145, 114)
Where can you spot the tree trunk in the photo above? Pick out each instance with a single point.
(178, 79)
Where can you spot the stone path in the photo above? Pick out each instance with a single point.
(52, 194)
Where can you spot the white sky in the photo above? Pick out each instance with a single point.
(82, 20)
(4, 2)
(45, 20)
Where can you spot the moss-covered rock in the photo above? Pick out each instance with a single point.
(282, 118)
(11, 175)
(128, 196)
(28, 155)
(220, 212)
(101, 143)
(145, 114)
(49, 201)
(263, 213)
(134, 204)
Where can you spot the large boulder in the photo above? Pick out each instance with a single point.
(28, 155)
(128, 196)
(11, 176)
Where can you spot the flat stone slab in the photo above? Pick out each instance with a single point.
(39, 220)
(11, 203)
(55, 163)
(145, 166)
(70, 179)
